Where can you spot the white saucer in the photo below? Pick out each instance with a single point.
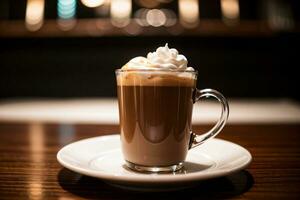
(101, 157)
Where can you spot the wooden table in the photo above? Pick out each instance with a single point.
(29, 169)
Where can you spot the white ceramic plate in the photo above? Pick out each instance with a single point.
(101, 157)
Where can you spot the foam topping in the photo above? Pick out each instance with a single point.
(163, 58)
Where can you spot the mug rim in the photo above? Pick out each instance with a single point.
(154, 71)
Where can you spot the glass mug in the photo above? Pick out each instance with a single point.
(155, 111)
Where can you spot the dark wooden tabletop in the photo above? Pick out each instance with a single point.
(29, 169)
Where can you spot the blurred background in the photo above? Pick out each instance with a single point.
(70, 48)
(57, 63)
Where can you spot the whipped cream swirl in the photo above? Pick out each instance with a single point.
(163, 58)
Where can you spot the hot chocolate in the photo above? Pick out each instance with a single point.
(156, 95)
(155, 116)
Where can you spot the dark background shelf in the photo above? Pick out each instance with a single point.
(250, 59)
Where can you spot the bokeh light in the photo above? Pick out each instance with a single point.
(156, 17)
(120, 11)
(66, 11)
(92, 3)
(230, 11)
(34, 16)
(189, 12)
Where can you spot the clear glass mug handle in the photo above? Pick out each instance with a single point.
(195, 139)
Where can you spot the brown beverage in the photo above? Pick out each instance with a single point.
(155, 116)
(156, 96)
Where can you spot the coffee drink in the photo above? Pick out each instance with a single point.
(155, 117)
(156, 95)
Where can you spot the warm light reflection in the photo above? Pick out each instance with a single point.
(189, 12)
(67, 198)
(156, 17)
(35, 190)
(66, 11)
(120, 11)
(36, 145)
(36, 138)
(92, 3)
(34, 16)
(230, 11)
